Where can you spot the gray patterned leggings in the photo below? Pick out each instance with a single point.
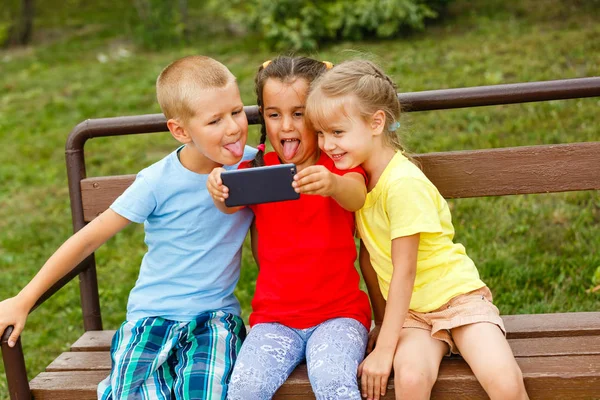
(333, 350)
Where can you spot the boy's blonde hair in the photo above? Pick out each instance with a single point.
(179, 84)
(371, 88)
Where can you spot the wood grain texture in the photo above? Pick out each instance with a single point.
(517, 327)
(94, 341)
(514, 170)
(457, 174)
(552, 325)
(560, 377)
(99, 193)
(81, 361)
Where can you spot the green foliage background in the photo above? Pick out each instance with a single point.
(304, 24)
(538, 253)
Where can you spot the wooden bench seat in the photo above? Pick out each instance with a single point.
(559, 355)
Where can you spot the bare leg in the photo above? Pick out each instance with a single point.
(416, 363)
(485, 349)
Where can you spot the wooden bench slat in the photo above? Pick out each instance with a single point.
(94, 341)
(560, 377)
(97, 194)
(555, 346)
(81, 361)
(70, 385)
(514, 170)
(531, 347)
(457, 174)
(517, 327)
(552, 325)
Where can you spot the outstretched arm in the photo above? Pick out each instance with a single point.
(14, 311)
(348, 190)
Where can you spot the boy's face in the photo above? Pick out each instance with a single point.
(289, 133)
(219, 128)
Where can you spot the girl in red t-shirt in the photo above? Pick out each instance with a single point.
(307, 303)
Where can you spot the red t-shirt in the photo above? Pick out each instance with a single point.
(306, 253)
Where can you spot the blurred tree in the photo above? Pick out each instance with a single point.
(160, 23)
(304, 24)
(19, 30)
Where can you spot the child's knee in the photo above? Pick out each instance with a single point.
(413, 382)
(507, 384)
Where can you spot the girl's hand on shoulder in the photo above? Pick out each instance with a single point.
(13, 312)
(315, 179)
(374, 372)
(215, 186)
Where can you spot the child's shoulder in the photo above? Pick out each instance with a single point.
(403, 171)
(156, 172)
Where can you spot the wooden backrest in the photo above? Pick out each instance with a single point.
(457, 174)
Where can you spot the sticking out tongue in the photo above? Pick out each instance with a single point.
(290, 147)
(235, 148)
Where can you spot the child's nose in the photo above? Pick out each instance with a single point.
(328, 143)
(287, 124)
(233, 127)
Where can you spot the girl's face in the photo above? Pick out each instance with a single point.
(291, 136)
(346, 137)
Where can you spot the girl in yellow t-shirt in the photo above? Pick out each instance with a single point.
(436, 303)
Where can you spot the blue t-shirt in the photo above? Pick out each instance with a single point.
(194, 250)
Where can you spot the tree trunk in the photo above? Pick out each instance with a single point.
(27, 13)
(183, 11)
(21, 31)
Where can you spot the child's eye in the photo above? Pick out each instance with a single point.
(214, 121)
(298, 114)
(338, 132)
(273, 115)
(236, 112)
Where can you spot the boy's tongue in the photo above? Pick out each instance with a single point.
(235, 148)
(289, 148)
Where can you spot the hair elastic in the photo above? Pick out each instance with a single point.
(266, 64)
(394, 126)
(328, 64)
(261, 147)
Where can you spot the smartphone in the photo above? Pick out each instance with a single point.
(260, 185)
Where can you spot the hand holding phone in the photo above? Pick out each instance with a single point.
(260, 185)
(316, 180)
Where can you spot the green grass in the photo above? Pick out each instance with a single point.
(538, 253)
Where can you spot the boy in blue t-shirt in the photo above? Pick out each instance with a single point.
(183, 329)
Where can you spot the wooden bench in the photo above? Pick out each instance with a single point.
(559, 354)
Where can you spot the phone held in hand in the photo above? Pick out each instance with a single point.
(260, 185)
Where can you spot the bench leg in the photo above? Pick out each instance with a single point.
(14, 366)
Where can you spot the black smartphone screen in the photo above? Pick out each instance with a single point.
(260, 185)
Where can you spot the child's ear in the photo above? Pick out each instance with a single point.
(378, 122)
(178, 131)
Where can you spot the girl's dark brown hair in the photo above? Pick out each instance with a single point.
(287, 70)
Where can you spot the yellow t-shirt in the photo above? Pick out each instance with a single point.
(405, 202)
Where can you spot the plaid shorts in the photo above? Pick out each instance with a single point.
(155, 358)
